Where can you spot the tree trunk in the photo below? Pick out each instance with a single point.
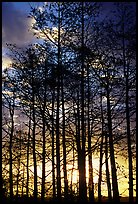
(130, 166)
(107, 169)
(129, 141)
(23, 183)
(53, 146)
(33, 132)
(57, 116)
(112, 157)
(100, 170)
(27, 165)
(78, 142)
(73, 156)
(101, 153)
(43, 161)
(44, 139)
(91, 184)
(19, 159)
(10, 150)
(64, 142)
(82, 172)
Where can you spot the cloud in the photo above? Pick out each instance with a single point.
(15, 25)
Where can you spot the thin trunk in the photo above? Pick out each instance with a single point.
(57, 116)
(107, 169)
(23, 183)
(64, 143)
(19, 159)
(58, 149)
(78, 140)
(44, 140)
(53, 146)
(78, 126)
(73, 156)
(91, 184)
(34, 159)
(27, 165)
(43, 161)
(101, 154)
(129, 142)
(10, 150)
(100, 170)
(17, 183)
(33, 132)
(83, 190)
(130, 166)
(112, 156)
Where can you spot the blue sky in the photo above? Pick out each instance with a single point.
(24, 6)
(15, 24)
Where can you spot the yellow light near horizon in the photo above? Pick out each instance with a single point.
(123, 183)
(6, 62)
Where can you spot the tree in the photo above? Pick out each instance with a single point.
(126, 16)
(19, 160)
(101, 155)
(28, 148)
(10, 106)
(32, 64)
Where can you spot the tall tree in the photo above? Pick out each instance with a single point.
(53, 143)
(83, 190)
(19, 162)
(43, 133)
(91, 184)
(101, 157)
(32, 65)
(9, 99)
(112, 156)
(126, 16)
(28, 148)
(58, 104)
(64, 138)
(107, 168)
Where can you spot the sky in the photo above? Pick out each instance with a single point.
(16, 25)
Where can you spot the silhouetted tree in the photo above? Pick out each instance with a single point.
(126, 31)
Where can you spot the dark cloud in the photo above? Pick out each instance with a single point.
(15, 25)
(109, 7)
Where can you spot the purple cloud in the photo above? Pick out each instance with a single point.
(15, 25)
